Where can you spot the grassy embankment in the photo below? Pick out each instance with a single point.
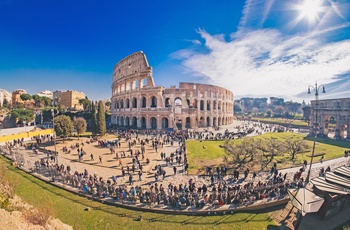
(209, 153)
(69, 208)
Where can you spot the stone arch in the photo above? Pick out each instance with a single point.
(201, 122)
(330, 124)
(136, 85)
(143, 102)
(195, 103)
(133, 122)
(167, 102)
(208, 105)
(219, 121)
(144, 82)
(165, 123)
(127, 121)
(202, 105)
(208, 121)
(153, 102)
(127, 103)
(188, 123)
(214, 104)
(343, 130)
(134, 102)
(121, 121)
(214, 121)
(153, 122)
(178, 101)
(143, 123)
(188, 103)
(121, 103)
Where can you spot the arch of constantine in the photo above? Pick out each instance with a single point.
(138, 103)
(333, 116)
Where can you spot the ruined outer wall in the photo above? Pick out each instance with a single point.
(138, 103)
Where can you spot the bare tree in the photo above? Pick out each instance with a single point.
(269, 149)
(242, 153)
(295, 146)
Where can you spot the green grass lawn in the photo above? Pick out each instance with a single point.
(281, 121)
(209, 153)
(69, 208)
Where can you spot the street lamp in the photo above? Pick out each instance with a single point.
(315, 88)
(54, 133)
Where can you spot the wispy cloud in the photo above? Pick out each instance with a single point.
(267, 61)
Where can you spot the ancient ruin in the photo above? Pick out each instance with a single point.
(138, 103)
(332, 116)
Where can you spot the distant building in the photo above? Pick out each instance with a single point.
(46, 93)
(69, 99)
(4, 94)
(16, 96)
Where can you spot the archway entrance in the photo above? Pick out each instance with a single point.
(178, 124)
(165, 123)
(330, 126)
(188, 123)
(143, 123)
(153, 123)
(134, 122)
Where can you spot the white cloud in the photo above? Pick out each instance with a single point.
(268, 62)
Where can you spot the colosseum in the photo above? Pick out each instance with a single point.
(138, 103)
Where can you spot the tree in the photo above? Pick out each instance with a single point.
(242, 153)
(86, 104)
(108, 103)
(63, 126)
(295, 146)
(93, 118)
(101, 119)
(25, 97)
(255, 111)
(22, 115)
(80, 125)
(269, 149)
(37, 100)
(46, 100)
(279, 110)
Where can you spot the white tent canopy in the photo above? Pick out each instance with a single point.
(305, 200)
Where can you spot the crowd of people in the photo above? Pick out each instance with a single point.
(218, 189)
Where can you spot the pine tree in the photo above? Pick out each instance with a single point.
(93, 118)
(101, 119)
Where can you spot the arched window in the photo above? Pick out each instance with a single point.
(134, 102)
(143, 105)
(127, 103)
(202, 105)
(167, 102)
(153, 102)
(178, 102)
(208, 105)
(121, 103)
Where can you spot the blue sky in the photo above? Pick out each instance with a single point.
(257, 48)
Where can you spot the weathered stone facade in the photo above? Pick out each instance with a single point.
(338, 110)
(138, 103)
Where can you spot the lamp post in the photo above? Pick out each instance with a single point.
(54, 133)
(315, 88)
